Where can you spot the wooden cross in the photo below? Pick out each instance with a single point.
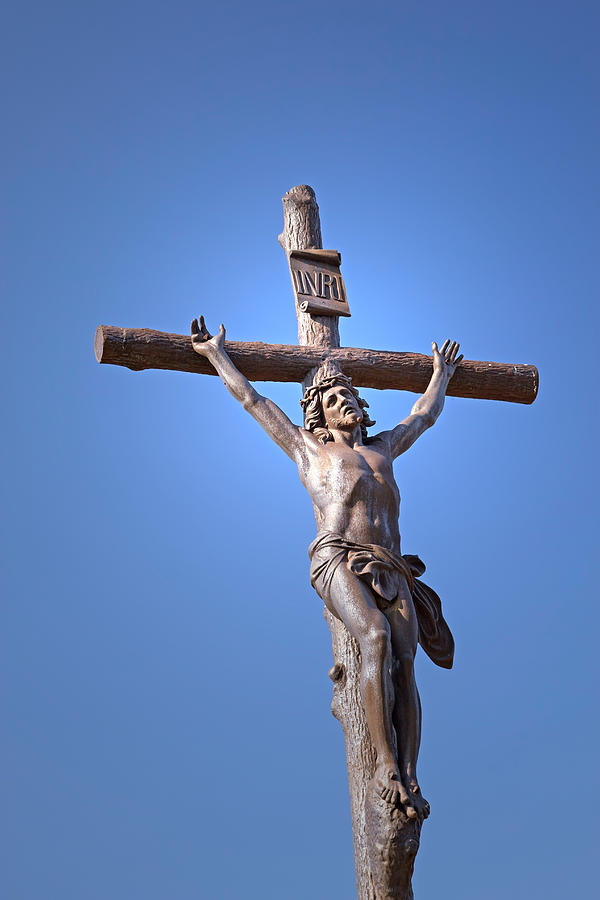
(384, 847)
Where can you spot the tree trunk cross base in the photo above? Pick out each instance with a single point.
(386, 841)
(392, 843)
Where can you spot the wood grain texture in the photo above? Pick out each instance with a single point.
(302, 231)
(143, 348)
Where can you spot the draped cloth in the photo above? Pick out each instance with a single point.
(380, 569)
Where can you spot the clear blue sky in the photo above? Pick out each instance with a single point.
(167, 702)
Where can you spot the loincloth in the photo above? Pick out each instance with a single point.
(381, 570)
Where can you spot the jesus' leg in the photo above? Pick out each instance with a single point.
(407, 707)
(352, 601)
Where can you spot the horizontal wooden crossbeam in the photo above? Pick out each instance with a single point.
(142, 348)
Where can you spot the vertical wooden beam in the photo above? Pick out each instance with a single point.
(302, 231)
(385, 842)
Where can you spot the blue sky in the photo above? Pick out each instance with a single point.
(165, 661)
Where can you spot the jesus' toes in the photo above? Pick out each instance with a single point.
(389, 795)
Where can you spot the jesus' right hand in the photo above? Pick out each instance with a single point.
(203, 342)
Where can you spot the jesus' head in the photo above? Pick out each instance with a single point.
(333, 402)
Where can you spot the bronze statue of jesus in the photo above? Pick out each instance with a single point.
(356, 563)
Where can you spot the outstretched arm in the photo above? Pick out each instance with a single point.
(428, 407)
(267, 414)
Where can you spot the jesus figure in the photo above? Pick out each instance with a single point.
(356, 564)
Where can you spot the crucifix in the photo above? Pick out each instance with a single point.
(376, 605)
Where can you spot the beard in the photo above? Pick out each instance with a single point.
(348, 420)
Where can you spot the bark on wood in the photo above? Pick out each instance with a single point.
(302, 231)
(383, 867)
(385, 840)
(142, 348)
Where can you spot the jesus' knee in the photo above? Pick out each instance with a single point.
(375, 645)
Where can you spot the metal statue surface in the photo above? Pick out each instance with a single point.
(357, 567)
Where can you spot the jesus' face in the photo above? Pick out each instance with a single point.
(341, 408)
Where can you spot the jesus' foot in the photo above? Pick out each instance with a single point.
(389, 786)
(417, 800)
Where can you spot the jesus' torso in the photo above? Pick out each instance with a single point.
(354, 491)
